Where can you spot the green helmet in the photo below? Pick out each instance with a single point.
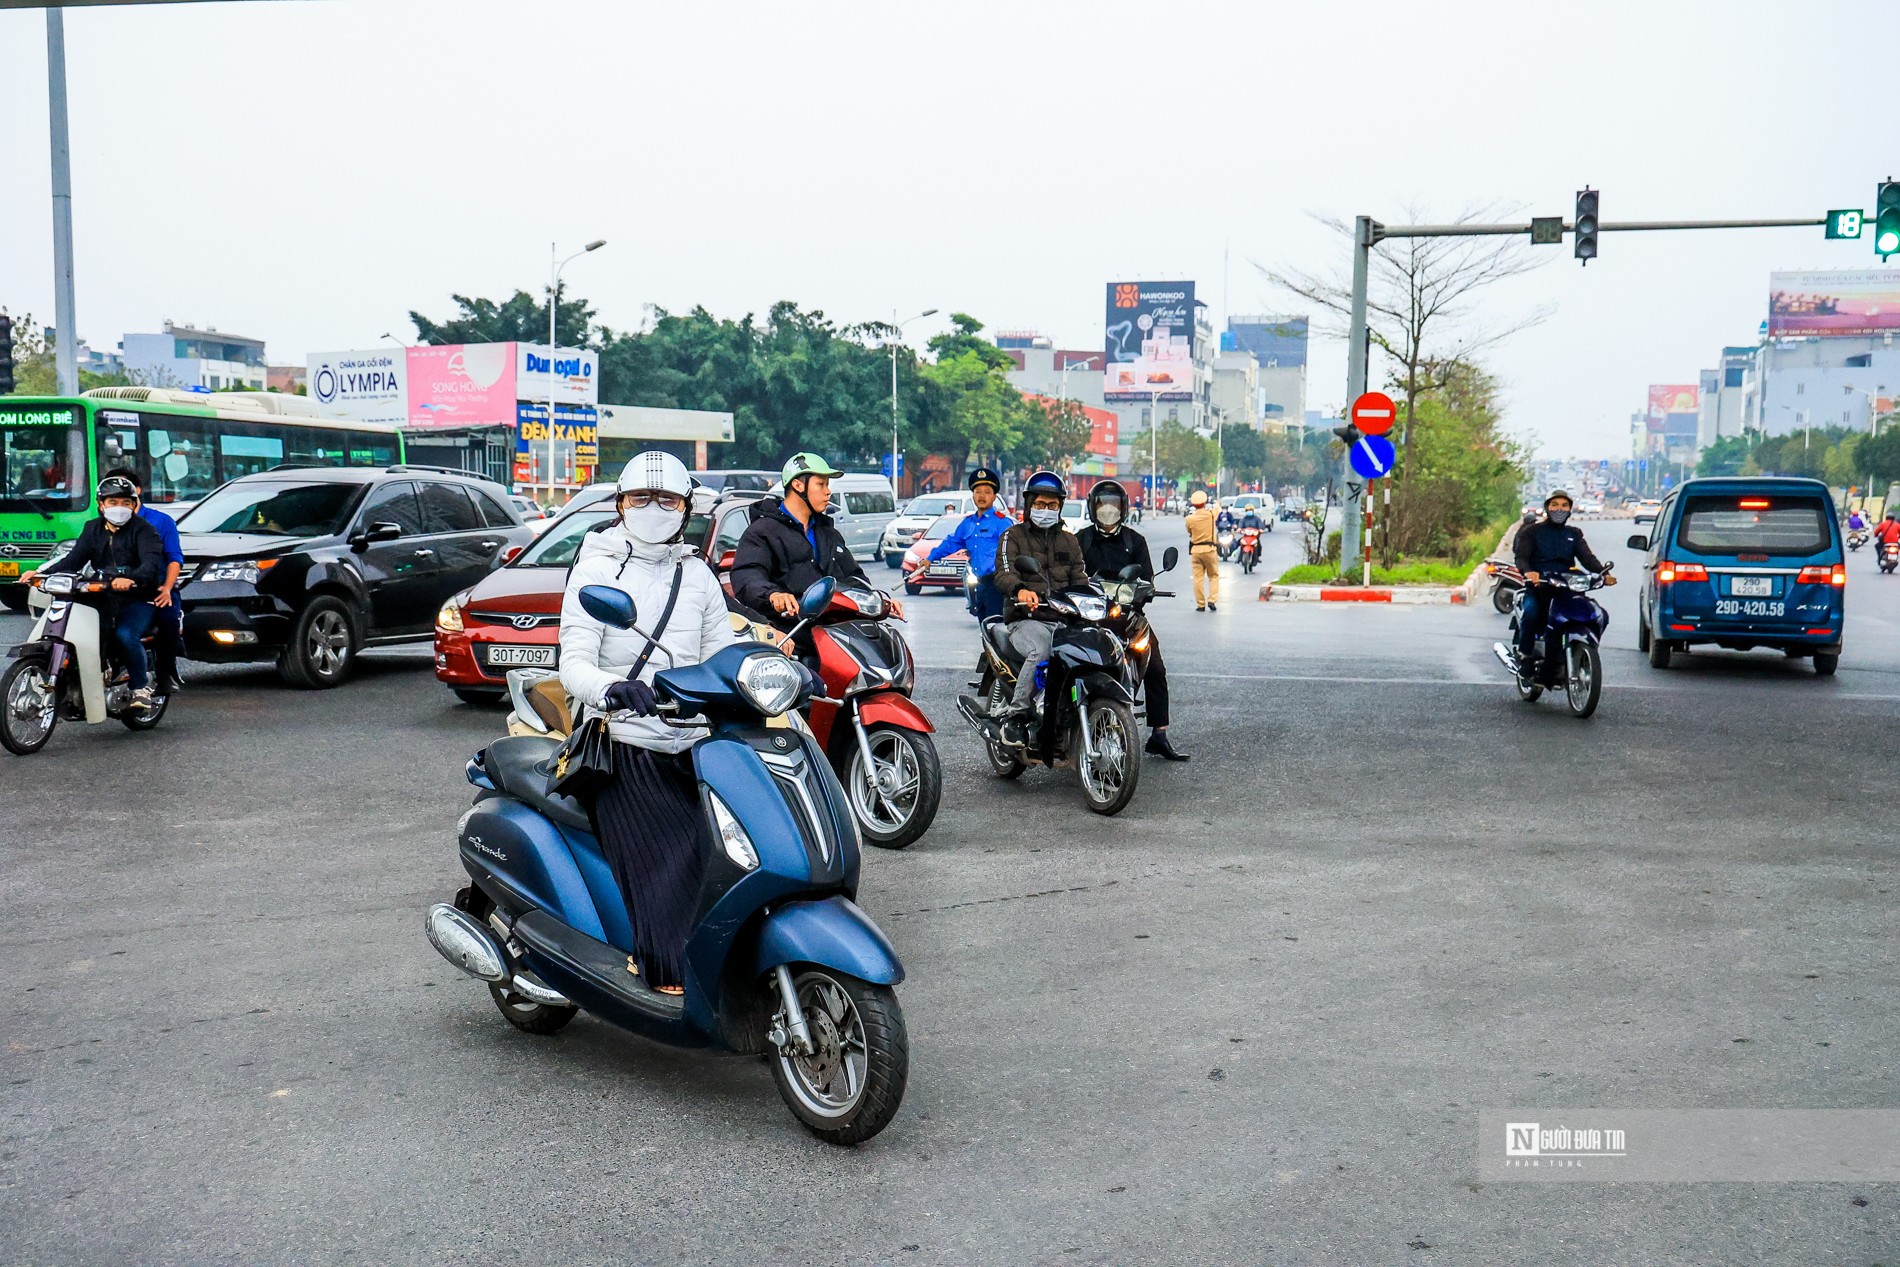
(806, 464)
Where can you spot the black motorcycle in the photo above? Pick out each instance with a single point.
(1569, 654)
(1085, 715)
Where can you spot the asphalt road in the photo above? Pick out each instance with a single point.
(1251, 1020)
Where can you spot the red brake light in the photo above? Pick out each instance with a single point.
(1823, 574)
(1670, 570)
(1754, 503)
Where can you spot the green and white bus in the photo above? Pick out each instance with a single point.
(183, 444)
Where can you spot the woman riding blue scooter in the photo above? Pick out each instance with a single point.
(702, 895)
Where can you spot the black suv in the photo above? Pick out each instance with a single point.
(305, 566)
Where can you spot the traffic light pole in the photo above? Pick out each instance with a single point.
(67, 351)
(1368, 233)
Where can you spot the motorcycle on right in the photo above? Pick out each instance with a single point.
(1569, 655)
(1249, 549)
(1889, 555)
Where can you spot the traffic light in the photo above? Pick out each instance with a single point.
(1887, 218)
(6, 354)
(1586, 225)
(1349, 435)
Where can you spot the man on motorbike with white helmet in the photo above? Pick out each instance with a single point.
(648, 817)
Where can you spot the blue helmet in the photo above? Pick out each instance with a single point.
(1044, 482)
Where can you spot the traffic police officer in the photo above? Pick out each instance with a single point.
(978, 536)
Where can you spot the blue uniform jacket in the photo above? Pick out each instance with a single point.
(167, 532)
(978, 535)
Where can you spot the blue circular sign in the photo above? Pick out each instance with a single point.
(1373, 457)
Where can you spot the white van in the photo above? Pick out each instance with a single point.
(918, 514)
(862, 507)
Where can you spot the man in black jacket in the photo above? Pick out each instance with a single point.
(791, 543)
(1109, 545)
(1549, 547)
(1058, 557)
(127, 550)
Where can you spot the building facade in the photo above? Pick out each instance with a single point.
(1278, 344)
(184, 356)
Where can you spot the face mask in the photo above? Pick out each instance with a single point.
(117, 516)
(1558, 516)
(1108, 516)
(651, 524)
(1045, 518)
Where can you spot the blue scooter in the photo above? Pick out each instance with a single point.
(1571, 655)
(780, 961)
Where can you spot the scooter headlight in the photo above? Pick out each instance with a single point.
(772, 683)
(1089, 607)
(61, 584)
(732, 837)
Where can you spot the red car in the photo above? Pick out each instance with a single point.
(511, 618)
(946, 573)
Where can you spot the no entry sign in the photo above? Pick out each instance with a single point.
(1374, 413)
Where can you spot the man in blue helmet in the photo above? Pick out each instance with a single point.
(1060, 566)
(979, 535)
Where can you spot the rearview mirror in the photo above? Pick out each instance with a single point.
(1637, 541)
(817, 597)
(1130, 573)
(1026, 566)
(376, 532)
(1170, 557)
(611, 607)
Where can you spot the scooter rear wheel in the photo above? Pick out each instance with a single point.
(29, 707)
(1002, 758)
(851, 1085)
(528, 1016)
(147, 718)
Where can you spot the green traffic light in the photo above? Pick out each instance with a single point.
(1888, 243)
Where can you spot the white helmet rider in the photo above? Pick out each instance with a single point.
(654, 495)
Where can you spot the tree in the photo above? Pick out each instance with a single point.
(1724, 457)
(1420, 304)
(1066, 430)
(519, 319)
(36, 365)
(1461, 474)
(1244, 451)
(1184, 454)
(1879, 458)
(976, 410)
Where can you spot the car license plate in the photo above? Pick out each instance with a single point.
(9, 568)
(520, 657)
(1752, 586)
(941, 570)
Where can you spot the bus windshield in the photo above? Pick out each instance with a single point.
(290, 509)
(43, 459)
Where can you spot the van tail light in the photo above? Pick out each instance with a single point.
(1823, 574)
(1669, 570)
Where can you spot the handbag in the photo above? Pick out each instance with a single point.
(584, 762)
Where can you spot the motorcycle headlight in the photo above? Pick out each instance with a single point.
(1089, 607)
(870, 602)
(732, 836)
(772, 683)
(1579, 583)
(245, 570)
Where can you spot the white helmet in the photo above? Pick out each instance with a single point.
(655, 470)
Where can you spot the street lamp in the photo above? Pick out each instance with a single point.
(554, 306)
(1873, 415)
(898, 326)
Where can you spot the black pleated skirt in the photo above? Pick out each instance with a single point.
(651, 829)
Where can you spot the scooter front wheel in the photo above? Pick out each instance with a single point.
(1110, 775)
(1503, 598)
(895, 798)
(29, 707)
(528, 1016)
(850, 1086)
(1583, 677)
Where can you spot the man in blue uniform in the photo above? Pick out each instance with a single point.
(978, 536)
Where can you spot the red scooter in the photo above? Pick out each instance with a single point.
(1249, 549)
(877, 739)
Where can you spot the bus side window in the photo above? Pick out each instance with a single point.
(183, 460)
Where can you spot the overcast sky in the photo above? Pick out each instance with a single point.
(309, 172)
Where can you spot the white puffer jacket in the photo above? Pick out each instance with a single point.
(594, 656)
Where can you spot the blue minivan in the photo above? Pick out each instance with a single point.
(1744, 562)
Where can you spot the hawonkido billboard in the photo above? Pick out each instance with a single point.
(1148, 343)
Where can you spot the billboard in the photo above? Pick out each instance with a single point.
(1803, 304)
(461, 384)
(576, 374)
(1674, 409)
(368, 386)
(1148, 346)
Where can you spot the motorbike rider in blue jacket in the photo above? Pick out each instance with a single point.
(1549, 547)
(978, 536)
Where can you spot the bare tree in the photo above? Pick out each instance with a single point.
(1422, 299)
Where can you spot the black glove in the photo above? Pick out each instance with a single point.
(635, 697)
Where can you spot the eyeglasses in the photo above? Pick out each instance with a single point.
(653, 497)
